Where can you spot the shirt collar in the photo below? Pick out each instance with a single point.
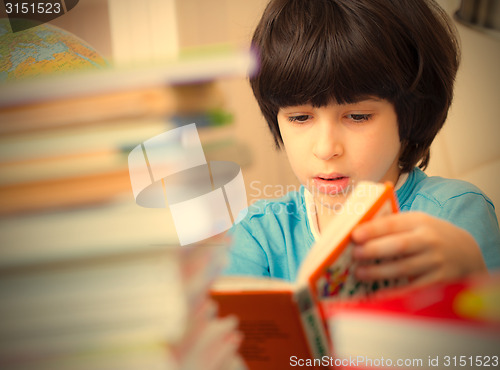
(311, 213)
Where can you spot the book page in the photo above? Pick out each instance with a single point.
(250, 283)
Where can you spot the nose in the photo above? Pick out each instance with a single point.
(328, 143)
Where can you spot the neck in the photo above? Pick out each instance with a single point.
(324, 215)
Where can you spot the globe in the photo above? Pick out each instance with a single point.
(42, 50)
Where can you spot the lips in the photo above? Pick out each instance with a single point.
(331, 184)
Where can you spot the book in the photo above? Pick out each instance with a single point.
(283, 321)
(110, 107)
(445, 325)
(85, 165)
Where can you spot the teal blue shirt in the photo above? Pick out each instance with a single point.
(275, 236)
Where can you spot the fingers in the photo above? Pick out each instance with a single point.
(397, 243)
(391, 224)
(429, 278)
(398, 235)
(414, 245)
(388, 247)
(416, 265)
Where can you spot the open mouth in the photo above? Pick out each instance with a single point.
(331, 184)
(332, 178)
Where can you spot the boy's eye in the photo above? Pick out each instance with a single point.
(301, 118)
(359, 117)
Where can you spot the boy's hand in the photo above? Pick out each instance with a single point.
(415, 245)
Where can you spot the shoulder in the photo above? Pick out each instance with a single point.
(271, 221)
(272, 238)
(438, 192)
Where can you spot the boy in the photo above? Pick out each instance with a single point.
(357, 90)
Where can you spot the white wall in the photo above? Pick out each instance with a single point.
(468, 146)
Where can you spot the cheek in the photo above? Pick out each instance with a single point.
(389, 145)
(296, 151)
(289, 146)
(295, 156)
(380, 152)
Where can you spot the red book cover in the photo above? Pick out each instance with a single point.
(447, 325)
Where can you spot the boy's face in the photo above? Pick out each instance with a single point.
(332, 148)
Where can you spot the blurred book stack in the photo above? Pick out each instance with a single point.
(208, 342)
(88, 279)
(64, 141)
(143, 308)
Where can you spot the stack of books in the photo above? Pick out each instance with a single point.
(64, 141)
(122, 309)
(88, 279)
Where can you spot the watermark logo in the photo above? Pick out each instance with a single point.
(24, 14)
(170, 170)
(321, 202)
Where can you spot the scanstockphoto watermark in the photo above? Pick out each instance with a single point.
(332, 203)
(357, 361)
(24, 14)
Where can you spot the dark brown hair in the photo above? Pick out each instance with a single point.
(319, 51)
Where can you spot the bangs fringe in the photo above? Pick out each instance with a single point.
(337, 62)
